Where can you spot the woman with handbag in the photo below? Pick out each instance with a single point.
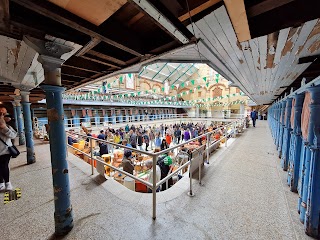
(6, 134)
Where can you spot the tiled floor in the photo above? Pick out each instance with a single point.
(244, 197)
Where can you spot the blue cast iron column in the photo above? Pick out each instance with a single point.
(49, 56)
(277, 124)
(17, 100)
(286, 135)
(31, 156)
(295, 144)
(312, 218)
(63, 209)
(306, 166)
(15, 116)
(283, 107)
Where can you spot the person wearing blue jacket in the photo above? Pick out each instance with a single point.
(254, 116)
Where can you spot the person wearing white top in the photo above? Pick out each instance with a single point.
(150, 177)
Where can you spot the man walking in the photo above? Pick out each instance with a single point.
(254, 116)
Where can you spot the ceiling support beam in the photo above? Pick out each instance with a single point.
(266, 6)
(42, 7)
(79, 68)
(94, 42)
(308, 59)
(106, 57)
(237, 13)
(198, 9)
(161, 19)
(4, 14)
(135, 19)
(101, 62)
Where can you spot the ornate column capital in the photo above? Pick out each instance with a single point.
(25, 96)
(16, 99)
(50, 54)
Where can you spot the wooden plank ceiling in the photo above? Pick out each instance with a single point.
(264, 66)
(117, 34)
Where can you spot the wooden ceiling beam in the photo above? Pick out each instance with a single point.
(82, 69)
(64, 17)
(106, 57)
(198, 9)
(265, 6)
(83, 64)
(135, 19)
(94, 42)
(4, 14)
(309, 59)
(75, 72)
(101, 62)
(237, 13)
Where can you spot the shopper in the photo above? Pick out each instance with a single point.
(101, 135)
(110, 139)
(168, 139)
(146, 140)
(150, 177)
(6, 134)
(127, 163)
(133, 139)
(254, 116)
(152, 138)
(140, 141)
(187, 135)
(157, 141)
(164, 145)
(177, 134)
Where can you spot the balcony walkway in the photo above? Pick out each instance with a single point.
(244, 197)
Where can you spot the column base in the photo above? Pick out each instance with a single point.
(22, 140)
(31, 156)
(63, 222)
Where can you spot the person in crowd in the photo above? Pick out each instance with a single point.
(150, 176)
(168, 139)
(110, 138)
(6, 134)
(177, 134)
(103, 149)
(126, 136)
(157, 141)
(254, 116)
(102, 136)
(127, 163)
(117, 138)
(140, 140)
(133, 139)
(146, 140)
(152, 138)
(164, 145)
(127, 128)
(187, 135)
(125, 143)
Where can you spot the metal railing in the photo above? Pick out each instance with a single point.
(155, 185)
(98, 121)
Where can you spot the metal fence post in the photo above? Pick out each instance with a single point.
(154, 188)
(91, 153)
(208, 139)
(190, 193)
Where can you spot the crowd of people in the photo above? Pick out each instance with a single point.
(147, 138)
